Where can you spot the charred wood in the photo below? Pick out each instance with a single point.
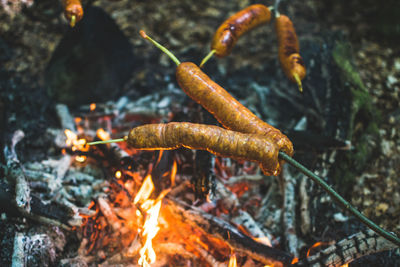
(349, 249)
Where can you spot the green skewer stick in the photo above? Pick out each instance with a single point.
(107, 141)
(338, 198)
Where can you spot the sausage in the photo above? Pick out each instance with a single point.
(73, 11)
(224, 107)
(216, 140)
(231, 29)
(289, 57)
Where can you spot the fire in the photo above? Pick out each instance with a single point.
(232, 261)
(318, 244)
(173, 173)
(76, 144)
(345, 265)
(145, 190)
(92, 106)
(118, 174)
(150, 229)
(149, 209)
(103, 135)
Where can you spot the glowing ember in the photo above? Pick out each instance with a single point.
(345, 265)
(80, 159)
(318, 244)
(118, 174)
(92, 106)
(103, 135)
(232, 261)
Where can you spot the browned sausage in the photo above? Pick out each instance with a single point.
(224, 107)
(216, 140)
(231, 29)
(291, 61)
(73, 11)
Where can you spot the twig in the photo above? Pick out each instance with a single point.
(340, 199)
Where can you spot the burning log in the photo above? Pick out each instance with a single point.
(349, 249)
(225, 232)
(246, 220)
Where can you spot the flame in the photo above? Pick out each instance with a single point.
(318, 244)
(149, 209)
(80, 159)
(145, 190)
(295, 260)
(92, 106)
(345, 265)
(103, 135)
(232, 261)
(118, 174)
(173, 173)
(150, 229)
(263, 240)
(76, 144)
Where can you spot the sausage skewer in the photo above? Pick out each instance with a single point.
(235, 26)
(73, 11)
(216, 140)
(289, 57)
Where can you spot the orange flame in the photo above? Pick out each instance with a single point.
(151, 208)
(173, 173)
(92, 106)
(345, 265)
(145, 190)
(76, 144)
(103, 135)
(232, 261)
(318, 244)
(118, 174)
(150, 229)
(295, 260)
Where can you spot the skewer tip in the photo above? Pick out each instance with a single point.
(212, 52)
(73, 21)
(298, 81)
(143, 34)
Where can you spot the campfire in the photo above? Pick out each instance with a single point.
(94, 200)
(142, 208)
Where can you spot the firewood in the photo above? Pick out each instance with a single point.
(349, 249)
